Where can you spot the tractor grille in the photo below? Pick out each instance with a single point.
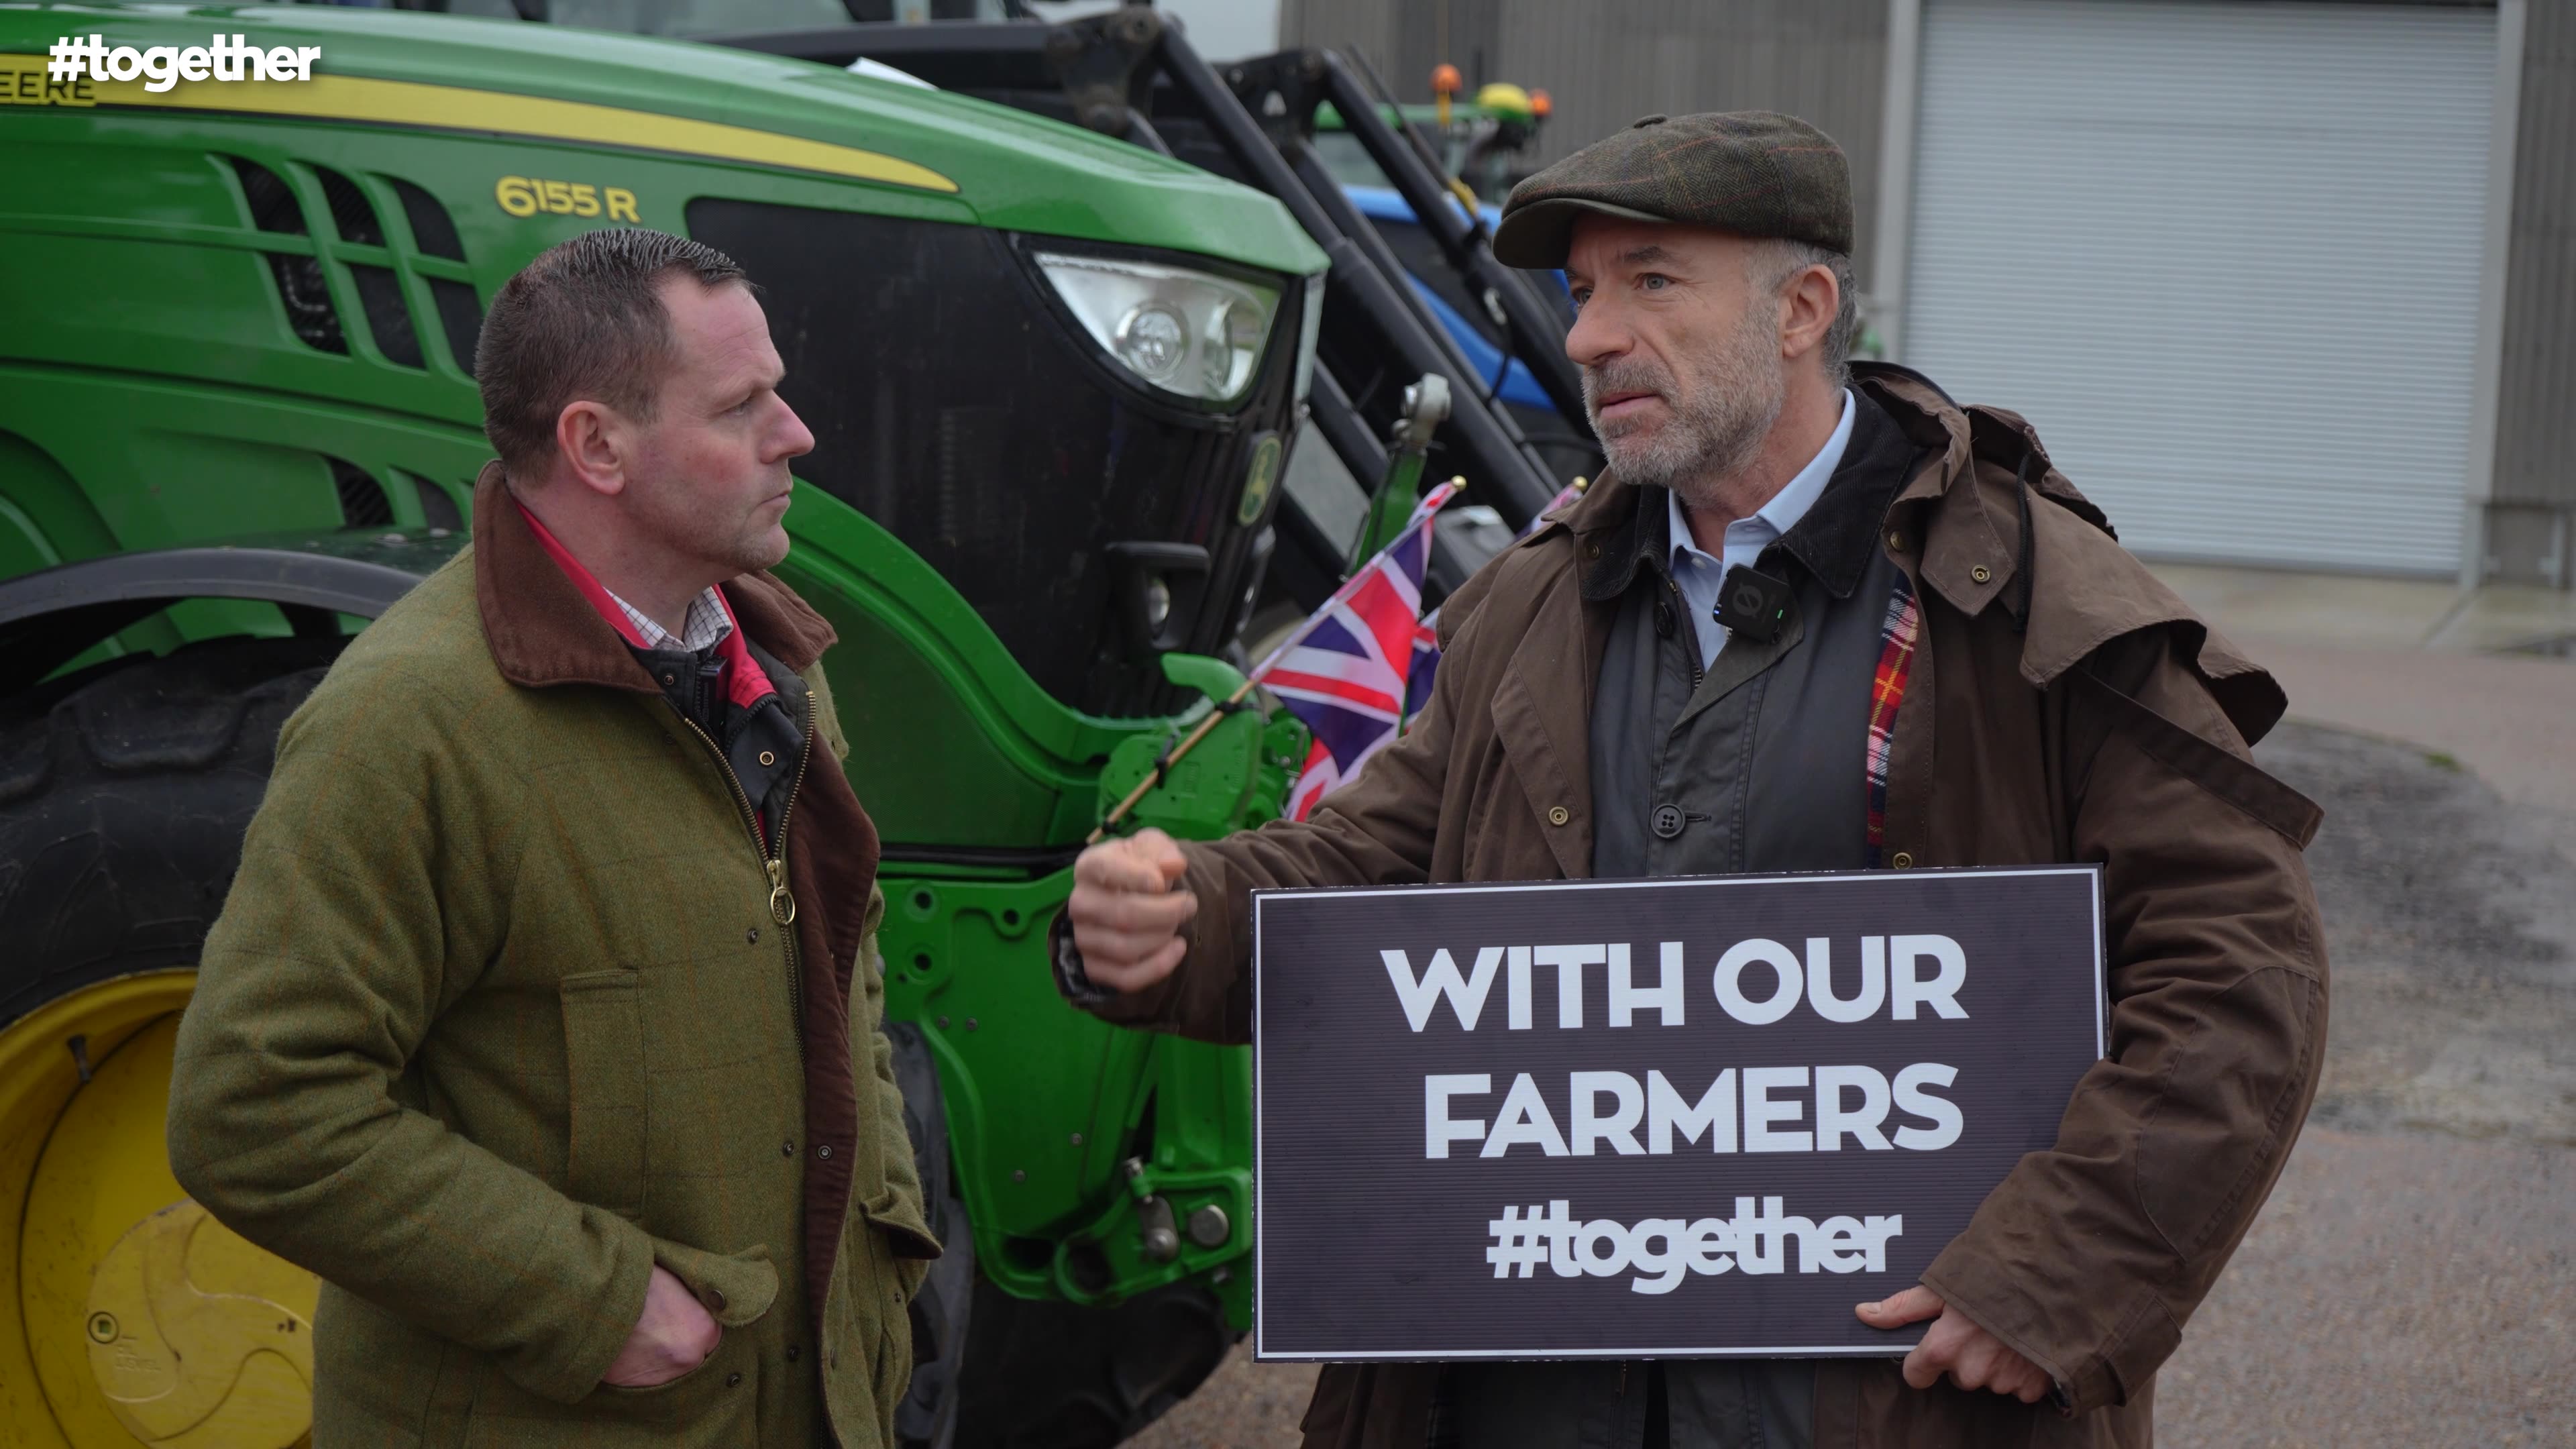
(380, 293)
(272, 202)
(351, 216)
(308, 302)
(438, 507)
(461, 317)
(953, 406)
(362, 499)
(433, 231)
(303, 280)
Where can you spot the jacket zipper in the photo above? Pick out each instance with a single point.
(782, 903)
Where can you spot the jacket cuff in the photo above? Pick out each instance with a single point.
(2080, 1380)
(1147, 1007)
(1071, 981)
(1193, 1000)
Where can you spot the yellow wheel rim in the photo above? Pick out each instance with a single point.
(127, 1316)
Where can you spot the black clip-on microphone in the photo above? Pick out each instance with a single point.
(1753, 606)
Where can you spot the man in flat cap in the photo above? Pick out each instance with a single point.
(1956, 665)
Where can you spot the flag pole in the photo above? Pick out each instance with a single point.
(1170, 757)
(1190, 741)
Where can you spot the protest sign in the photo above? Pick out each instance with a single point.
(1686, 1117)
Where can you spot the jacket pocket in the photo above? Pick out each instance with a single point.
(712, 1406)
(876, 1313)
(898, 1215)
(736, 1289)
(603, 1021)
(899, 1248)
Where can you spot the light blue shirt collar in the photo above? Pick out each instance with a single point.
(1698, 574)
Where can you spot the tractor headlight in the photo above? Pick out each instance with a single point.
(1158, 603)
(1185, 332)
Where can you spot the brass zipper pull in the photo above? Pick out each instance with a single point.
(782, 906)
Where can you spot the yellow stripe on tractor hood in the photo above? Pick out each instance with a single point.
(454, 108)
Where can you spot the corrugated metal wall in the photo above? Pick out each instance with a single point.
(1608, 63)
(2536, 408)
(1362, 27)
(2212, 414)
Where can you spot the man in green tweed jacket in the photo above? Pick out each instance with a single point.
(543, 1021)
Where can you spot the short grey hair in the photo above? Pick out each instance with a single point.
(1788, 258)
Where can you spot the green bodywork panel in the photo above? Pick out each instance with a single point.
(1011, 169)
(154, 393)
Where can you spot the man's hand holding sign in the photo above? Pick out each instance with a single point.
(1955, 1346)
(1612, 1038)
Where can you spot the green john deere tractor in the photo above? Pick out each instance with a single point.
(1060, 332)
(1052, 377)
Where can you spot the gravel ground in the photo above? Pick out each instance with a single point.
(2451, 920)
(2401, 1289)
(2410, 1281)
(2413, 1280)
(1244, 1405)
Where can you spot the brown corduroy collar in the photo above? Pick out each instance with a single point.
(541, 631)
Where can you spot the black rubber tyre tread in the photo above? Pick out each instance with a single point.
(1051, 1375)
(124, 793)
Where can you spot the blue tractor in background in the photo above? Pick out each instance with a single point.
(1461, 316)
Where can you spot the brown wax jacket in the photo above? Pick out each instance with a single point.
(2063, 706)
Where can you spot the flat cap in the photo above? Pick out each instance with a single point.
(1755, 173)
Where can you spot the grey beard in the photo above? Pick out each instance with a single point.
(1718, 425)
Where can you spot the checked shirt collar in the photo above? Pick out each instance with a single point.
(706, 624)
(710, 620)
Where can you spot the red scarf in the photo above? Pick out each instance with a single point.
(746, 683)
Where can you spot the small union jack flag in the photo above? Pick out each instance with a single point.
(1426, 636)
(1346, 670)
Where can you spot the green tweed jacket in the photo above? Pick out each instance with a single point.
(499, 1015)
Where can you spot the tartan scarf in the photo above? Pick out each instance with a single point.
(1887, 691)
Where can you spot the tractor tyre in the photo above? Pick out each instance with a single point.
(1052, 1375)
(124, 792)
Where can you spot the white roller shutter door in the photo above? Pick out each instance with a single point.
(2225, 256)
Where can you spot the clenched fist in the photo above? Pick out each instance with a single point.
(1128, 909)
